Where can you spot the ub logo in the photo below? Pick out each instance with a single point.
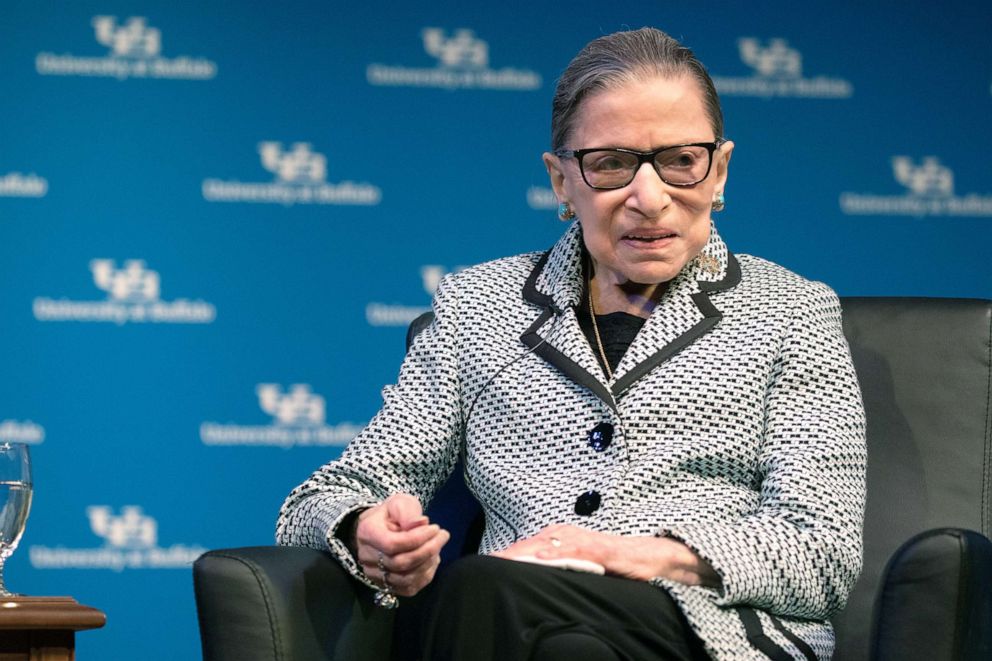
(130, 542)
(299, 407)
(132, 297)
(299, 165)
(461, 62)
(928, 178)
(133, 39)
(462, 49)
(132, 529)
(133, 283)
(776, 59)
(300, 178)
(135, 51)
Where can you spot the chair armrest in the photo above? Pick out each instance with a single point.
(935, 599)
(266, 603)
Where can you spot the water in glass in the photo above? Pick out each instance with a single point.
(15, 500)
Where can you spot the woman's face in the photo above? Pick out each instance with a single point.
(647, 231)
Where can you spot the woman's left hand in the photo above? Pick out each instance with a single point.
(639, 558)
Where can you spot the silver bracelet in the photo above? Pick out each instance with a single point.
(385, 598)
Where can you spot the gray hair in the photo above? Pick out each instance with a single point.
(624, 57)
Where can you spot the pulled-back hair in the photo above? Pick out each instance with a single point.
(621, 58)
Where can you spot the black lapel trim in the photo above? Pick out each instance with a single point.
(712, 317)
(756, 636)
(801, 644)
(563, 363)
(731, 278)
(531, 292)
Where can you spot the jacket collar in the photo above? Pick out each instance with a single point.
(557, 279)
(684, 314)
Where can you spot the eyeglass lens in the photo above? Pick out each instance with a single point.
(607, 168)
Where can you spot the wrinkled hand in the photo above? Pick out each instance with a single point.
(637, 557)
(409, 543)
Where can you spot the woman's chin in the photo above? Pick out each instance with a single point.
(642, 278)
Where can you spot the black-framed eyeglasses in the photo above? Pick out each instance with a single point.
(678, 165)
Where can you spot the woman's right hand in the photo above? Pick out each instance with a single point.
(410, 546)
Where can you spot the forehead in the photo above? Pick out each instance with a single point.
(643, 114)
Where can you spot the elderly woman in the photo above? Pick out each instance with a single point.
(637, 401)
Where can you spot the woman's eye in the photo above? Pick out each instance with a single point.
(682, 159)
(607, 162)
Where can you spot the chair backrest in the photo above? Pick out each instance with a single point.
(925, 367)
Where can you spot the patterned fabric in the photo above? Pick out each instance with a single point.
(736, 421)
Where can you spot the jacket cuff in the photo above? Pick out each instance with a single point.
(745, 576)
(771, 566)
(329, 511)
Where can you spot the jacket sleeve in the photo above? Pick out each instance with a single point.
(799, 552)
(409, 446)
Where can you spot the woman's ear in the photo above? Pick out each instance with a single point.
(722, 164)
(553, 165)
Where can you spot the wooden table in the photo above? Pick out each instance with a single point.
(43, 628)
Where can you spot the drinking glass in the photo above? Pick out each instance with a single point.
(15, 500)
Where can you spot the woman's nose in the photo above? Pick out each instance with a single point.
(647, 192)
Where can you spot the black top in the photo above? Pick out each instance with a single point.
(617, 330)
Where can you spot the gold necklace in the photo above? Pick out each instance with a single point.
(595, 329)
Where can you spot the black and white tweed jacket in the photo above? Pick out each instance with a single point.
(736, 420)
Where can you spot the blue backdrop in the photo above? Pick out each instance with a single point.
(216, 220)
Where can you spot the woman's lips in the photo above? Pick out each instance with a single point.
(653, 239)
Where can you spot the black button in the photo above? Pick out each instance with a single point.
(587, 503)
(601, 436)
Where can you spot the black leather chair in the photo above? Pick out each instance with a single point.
(926, 590)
